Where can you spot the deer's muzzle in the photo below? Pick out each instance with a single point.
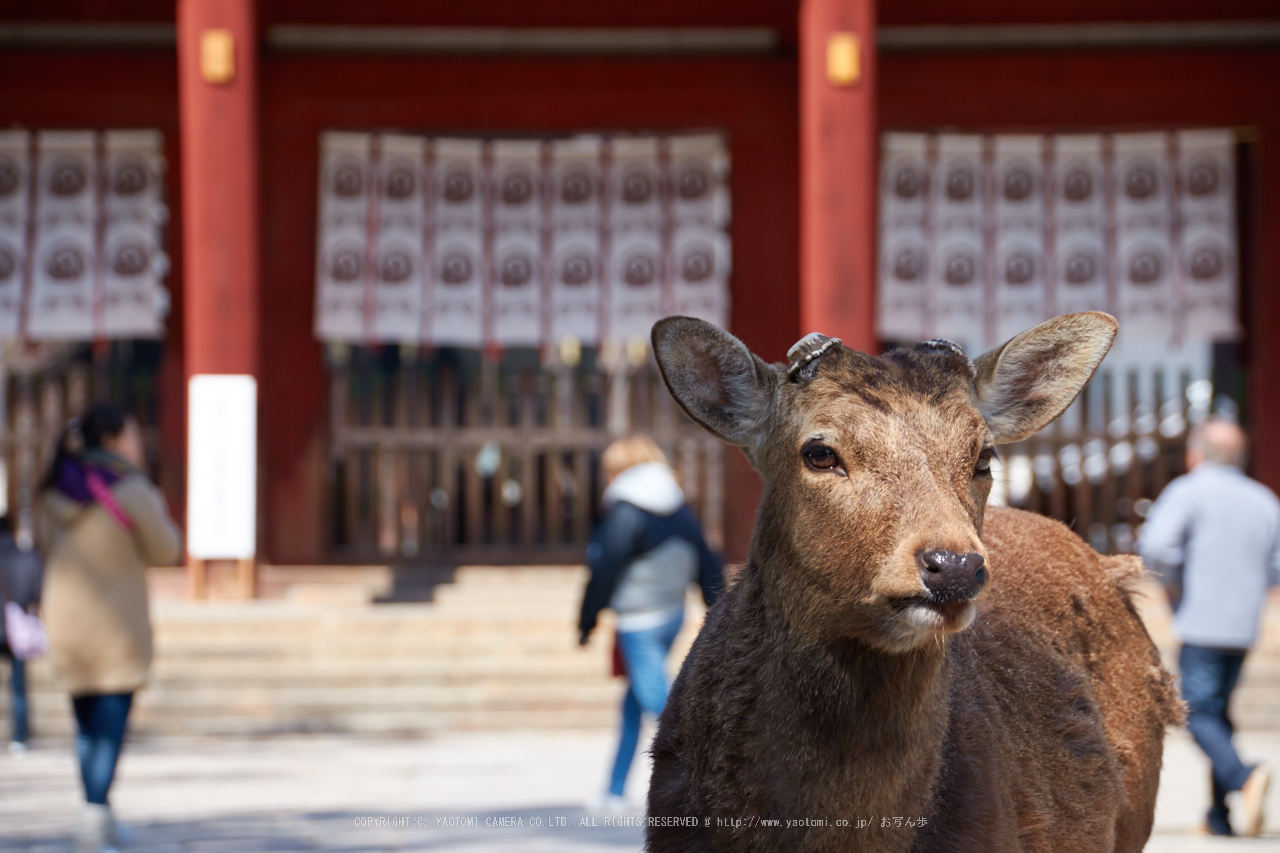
(952, 577)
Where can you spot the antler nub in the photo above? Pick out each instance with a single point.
(807, 349)
(944, 345)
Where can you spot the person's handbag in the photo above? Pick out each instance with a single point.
(24, 632)
(618, 666)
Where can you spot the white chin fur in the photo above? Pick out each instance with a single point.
(928, 619)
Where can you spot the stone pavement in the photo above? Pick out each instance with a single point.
(326, 793)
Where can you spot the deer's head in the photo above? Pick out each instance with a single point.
(877, 469)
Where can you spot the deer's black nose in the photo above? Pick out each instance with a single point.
(952, 577)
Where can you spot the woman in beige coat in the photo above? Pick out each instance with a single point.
(103, 524)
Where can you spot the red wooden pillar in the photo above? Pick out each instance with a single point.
(838, 147)
(217, 90)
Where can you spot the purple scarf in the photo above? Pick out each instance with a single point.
(90, 478)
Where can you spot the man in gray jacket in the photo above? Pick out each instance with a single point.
(1213, 537)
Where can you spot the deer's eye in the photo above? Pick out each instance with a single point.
(984, 461)
(820, 458)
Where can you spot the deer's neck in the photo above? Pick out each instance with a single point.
(881, 718)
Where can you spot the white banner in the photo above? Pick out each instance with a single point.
(457, 293)
(401, 223)
(904, 261)
(1206, 204)
(701, 253)
(1009, 230)
(1143, 221)
(636, 263)
(133, 299)
(66, 269)
(576, 221)
(701, 282)
(635, 284)
(956, 298)
(15, 194)
(635, 191)
(517, 243)
(1019, 240)
(699, 175)
(1079, 271)
(343, 236)
(222, 467)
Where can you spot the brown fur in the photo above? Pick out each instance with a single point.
(810, 694)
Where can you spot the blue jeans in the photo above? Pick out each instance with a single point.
(18, 709)
(645, 653)
(1208, 677)
(102, 719)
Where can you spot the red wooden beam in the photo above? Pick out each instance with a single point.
(838, 170)
(218, 113)
(217, 93)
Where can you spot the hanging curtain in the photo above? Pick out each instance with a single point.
(520, 242)
(81, 254)
(982, 237)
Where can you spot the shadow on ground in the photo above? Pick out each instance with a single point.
(542, 829)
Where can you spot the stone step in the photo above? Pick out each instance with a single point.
(232, 676)
(406, 649)
(519, 575)
(368, 723)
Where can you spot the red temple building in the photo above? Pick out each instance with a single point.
(434, 233)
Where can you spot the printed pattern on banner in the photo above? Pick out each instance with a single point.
(576, 253)
(15, 177)
(401, 222)
(1141, 225)
(1078, 210)
(700, 219)
(341, 251)
(65, 263)
(955, 307)
(517, 243)
(904, 262)
(1019, 205)
(635, 268)
(457, 295)
(1206, 208)
(1144, 244)
(133, 299)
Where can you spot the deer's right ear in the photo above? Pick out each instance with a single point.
(714, 377)
(1022, 386)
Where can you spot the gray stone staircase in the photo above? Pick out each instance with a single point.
(493, 648)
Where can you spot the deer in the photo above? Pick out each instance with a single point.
(898, 666)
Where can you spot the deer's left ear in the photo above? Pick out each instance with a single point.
(714, 377)
(1023, 385)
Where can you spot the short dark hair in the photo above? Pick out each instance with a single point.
(100, 420)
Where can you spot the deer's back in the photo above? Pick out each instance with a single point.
(1059, 683)
(1051, 736)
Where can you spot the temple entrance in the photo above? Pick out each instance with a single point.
(486, 306)
(451, 455)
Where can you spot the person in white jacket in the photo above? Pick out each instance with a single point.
(643, 556)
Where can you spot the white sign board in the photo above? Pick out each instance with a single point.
(222, 463)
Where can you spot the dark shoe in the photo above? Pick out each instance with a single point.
(1214, 828)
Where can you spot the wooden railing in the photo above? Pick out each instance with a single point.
(1100, 466)
(449, 455)
(45, 385)
(454, 455)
